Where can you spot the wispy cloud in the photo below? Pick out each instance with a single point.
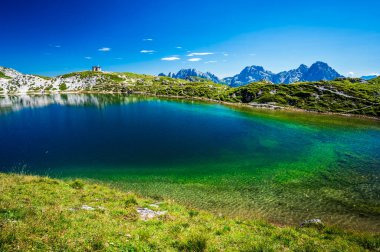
(56, 46)
(104, 49)
(147, 39)
(225, 54)
(194, 59)
(179, 47)
(147, 51)
(210, 61)
(351, 74)
(88, 57)
(170, 58)
(199, 54)
(119, 58)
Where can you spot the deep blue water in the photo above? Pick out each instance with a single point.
(278, 165)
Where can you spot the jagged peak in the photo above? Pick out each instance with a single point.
(303, 67)
(319, 64)
(254, 68)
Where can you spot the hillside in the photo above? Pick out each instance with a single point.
(343, 95)
(43, 214)
(348, 96)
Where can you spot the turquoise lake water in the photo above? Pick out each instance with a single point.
(281, 166)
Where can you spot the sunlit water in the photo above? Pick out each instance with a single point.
(284, 167)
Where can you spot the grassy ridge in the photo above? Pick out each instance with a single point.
(340, 96)
(43, 214)
(351, 96)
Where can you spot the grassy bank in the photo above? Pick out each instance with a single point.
(39, 213)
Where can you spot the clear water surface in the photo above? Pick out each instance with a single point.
(281, 166)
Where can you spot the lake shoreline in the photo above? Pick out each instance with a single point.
(84, 215)
(258, 106)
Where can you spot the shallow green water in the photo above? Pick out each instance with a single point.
(283, 166)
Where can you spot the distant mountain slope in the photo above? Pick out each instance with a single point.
(193, 75)
(318, 71)
(291, 76)
(248, 75)
(368, 77)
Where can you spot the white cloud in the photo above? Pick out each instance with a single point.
(351, 74)
(170, 58)
(88, 57)
(377, 74)
(179, 47)
(104, 49)
(56, 46)
(147, 51)
(210, 62)
(194, 59)
(199, 54)
(225, 54)
(148, 39)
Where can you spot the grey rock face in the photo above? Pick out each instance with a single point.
(189, 74)
(318, 71)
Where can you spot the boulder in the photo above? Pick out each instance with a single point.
(312, 223)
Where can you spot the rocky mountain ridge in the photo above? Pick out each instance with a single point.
(317, 71)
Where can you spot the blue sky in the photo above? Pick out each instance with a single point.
(146, 36)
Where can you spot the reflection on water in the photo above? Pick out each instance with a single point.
(283, 166)
(15, 103)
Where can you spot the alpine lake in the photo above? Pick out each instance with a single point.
(281, 166)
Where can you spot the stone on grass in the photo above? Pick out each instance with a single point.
(146, 213)
(87, 208)
(312, 223)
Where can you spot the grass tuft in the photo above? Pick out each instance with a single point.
(43, 214)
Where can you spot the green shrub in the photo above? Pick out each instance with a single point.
(130, 200)
(195, 243)
(63, 87)
(77, 184)
(193, 213)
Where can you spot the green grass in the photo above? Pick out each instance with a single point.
(43, 214)
(43, 77)
(2, 75)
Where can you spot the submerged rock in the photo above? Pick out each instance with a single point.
(312, 223)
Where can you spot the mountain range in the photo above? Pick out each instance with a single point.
(316, 72)
(12, 81)
(193, 75)
(368, 77)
